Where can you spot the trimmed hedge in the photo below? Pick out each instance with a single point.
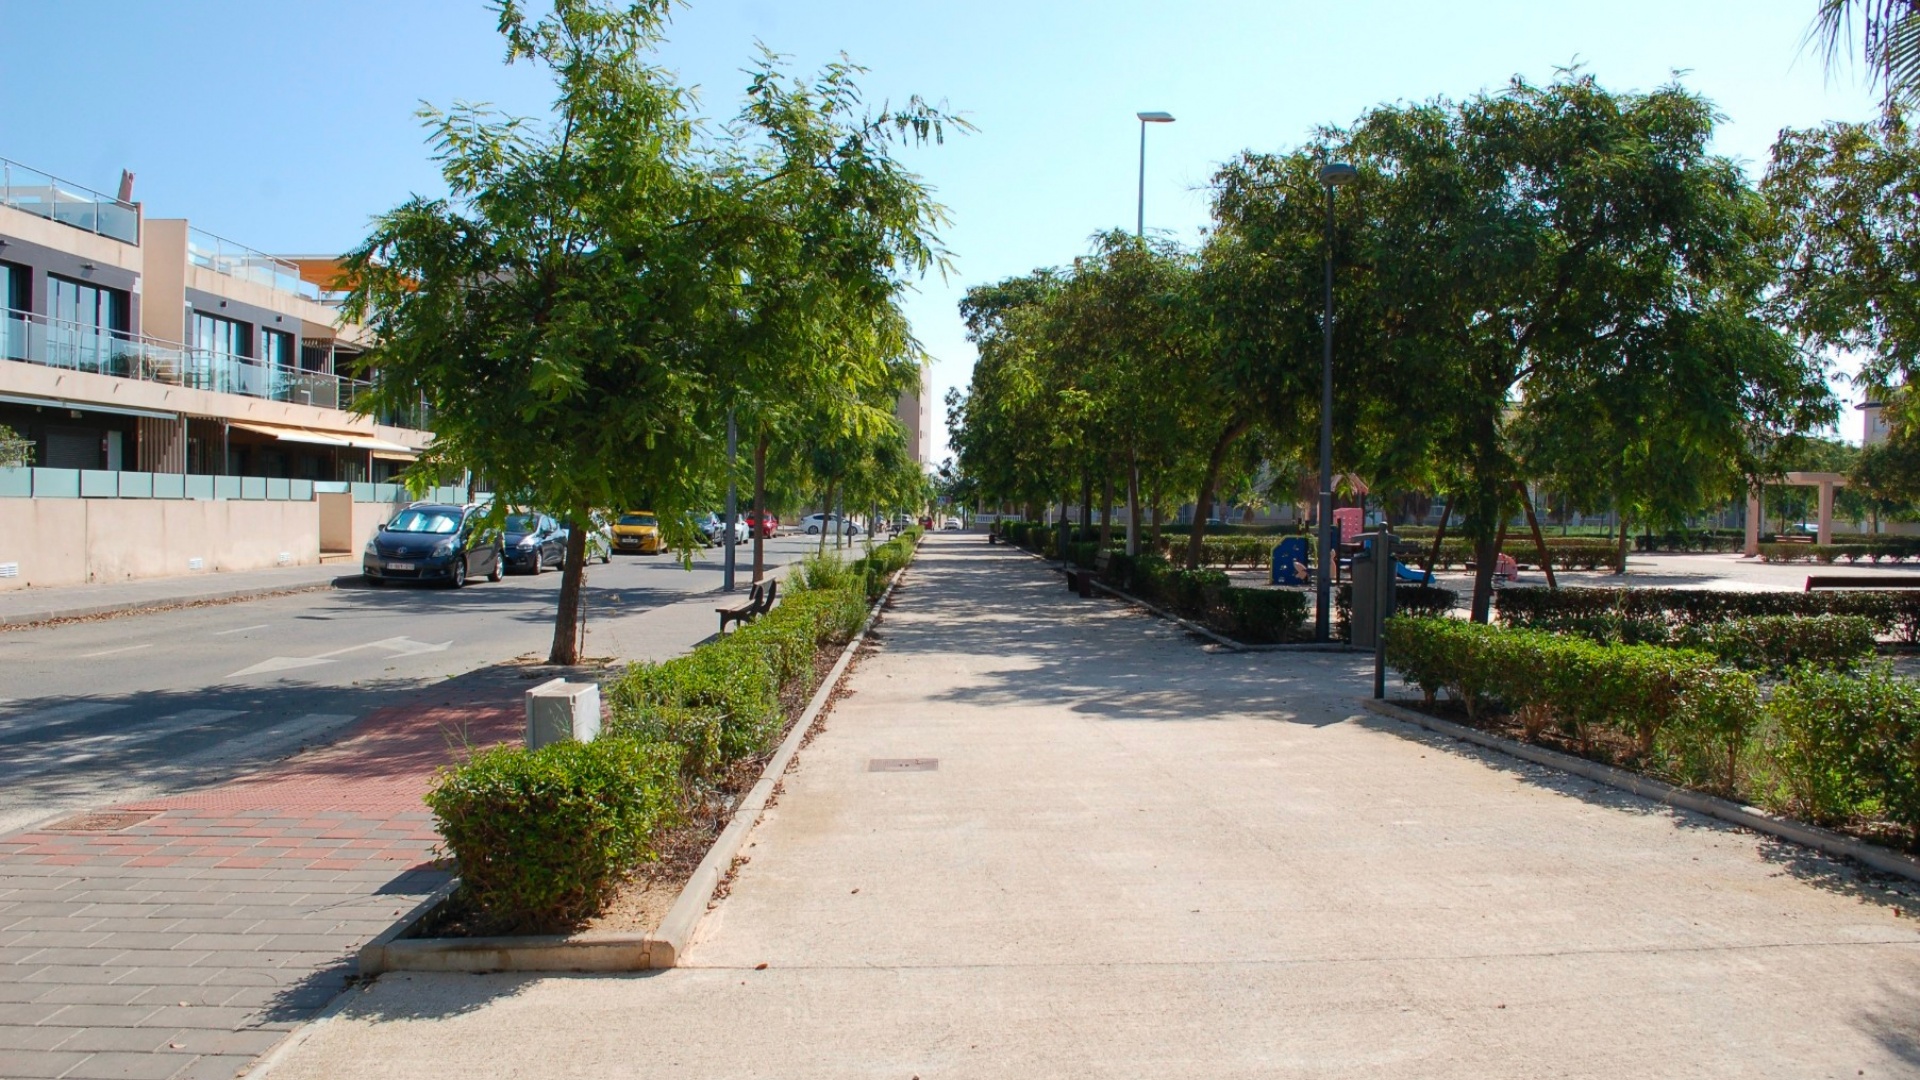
(1895, 612)
(1254, 616)
(1846, 747)
(1874, 549)
(1409, 599)
(1778, 643)
(544, 838)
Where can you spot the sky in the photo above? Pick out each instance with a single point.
(286, 125)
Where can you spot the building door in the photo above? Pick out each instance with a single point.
(82, 322)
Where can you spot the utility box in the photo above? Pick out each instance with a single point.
(1372, 588)
(559, 711)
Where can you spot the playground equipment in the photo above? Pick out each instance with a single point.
(1291, 562)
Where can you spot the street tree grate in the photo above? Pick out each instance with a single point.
(98, 822)
(903, 764)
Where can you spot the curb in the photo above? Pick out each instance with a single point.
(87, 611)
(661, 948)
(1882, 859)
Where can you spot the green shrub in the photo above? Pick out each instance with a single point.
(1775, 643)
(1264, 616)
(1889, 611)
(733, 686)
(1409, 599)
(544, 837)
(822, 570)
(1846, 746)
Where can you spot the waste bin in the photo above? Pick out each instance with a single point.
(1372, 588)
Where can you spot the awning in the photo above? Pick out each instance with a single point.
(86, 406)
(291, 434)
(380, 447)
(396, 455)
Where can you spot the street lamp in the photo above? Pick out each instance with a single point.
(1140, 222)
(1332, 175)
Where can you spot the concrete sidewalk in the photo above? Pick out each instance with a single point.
(1132, 856)
(19, 606)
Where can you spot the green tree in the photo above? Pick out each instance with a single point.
(1889, 42)
(1561, 243)
(14, 450)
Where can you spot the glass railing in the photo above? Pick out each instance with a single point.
(50, 197)
(36, 339)
(223, 256)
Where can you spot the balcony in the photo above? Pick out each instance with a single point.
(47, 196)
(223, 256)
(36, 339)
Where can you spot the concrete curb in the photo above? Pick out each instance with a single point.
(1885, 860)
(87, 611)
(1195, 628)
(663, 947)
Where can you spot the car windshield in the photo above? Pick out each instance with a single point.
(522, 523)
(639, 519)
(425, 521)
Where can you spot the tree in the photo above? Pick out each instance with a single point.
(1889, 42)
(14, 450)
(1558, 251)
(596, 293)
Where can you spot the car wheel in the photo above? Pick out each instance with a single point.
(499, 561)
(812, 530)
(539, 564)
(459, 577)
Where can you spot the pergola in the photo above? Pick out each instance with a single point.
(1825, 481)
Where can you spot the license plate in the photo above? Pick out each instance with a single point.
(399, 566)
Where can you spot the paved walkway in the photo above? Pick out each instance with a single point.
(1137, 857)
(79, 601)
(184, 936)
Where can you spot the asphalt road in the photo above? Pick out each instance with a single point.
(144, 705)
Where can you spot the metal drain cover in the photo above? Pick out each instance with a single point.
(903, 764)
(99, 822)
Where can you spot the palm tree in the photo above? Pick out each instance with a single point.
(1889, 43)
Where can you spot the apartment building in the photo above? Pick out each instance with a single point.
(187, 399)
(914, 410)
(150, 344)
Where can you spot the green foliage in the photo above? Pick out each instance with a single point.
(1411, 600)
(1777, 643)
(1254, 616)
(1563, 610)
(544, 838)
(730, 690)
(1846, 747)
(15, 451)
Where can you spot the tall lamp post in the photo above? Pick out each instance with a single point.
(1140, 229)
(1332, 175)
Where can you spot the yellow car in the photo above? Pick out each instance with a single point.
(637, 530)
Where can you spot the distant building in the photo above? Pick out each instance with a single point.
(915, 412)
(1873, 419)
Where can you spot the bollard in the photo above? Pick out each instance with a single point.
(558, 711)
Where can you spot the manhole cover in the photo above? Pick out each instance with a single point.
(903, 764)
(98, 822)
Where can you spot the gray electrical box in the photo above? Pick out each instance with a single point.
(1373, 574)
(559, 711)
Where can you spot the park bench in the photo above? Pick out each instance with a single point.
(1859, 581)
(1080, 579)
(759, 602)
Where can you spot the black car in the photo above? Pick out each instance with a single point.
(535, 542)
(432, 542)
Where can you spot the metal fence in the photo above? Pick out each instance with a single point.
(48, 196)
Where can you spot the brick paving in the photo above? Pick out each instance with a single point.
(194, 937)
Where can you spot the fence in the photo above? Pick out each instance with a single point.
(37, 483)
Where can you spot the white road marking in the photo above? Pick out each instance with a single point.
(112, 652)
(285, 731)
(75, 751)
(398, 646)
(58, 716)
(240, 630)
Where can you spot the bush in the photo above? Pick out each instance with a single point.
(1265, 616)
(1411, 600)
(1255, 616)
(733, 689)
(544, 838)
(1845, 747)
(1889, 611)
(1776, 643)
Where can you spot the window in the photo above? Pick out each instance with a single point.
(220, 337)
(84, 305)
(16, 298)
(276, 348)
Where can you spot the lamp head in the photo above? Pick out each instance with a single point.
(1335, 173)
(1155, 117)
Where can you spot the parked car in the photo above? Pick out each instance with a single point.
(715, 528)
(764, 524)
(831, 524)
(637, 531)
(599, 541)
(534, 542)
(952, 524)
(433, 542)
(902, 522)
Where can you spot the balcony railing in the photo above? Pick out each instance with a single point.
(223, 256)
(36, 339)
(50, 197)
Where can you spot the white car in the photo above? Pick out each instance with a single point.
(950, 525)
(831, 524)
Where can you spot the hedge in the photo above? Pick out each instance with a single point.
(1659, 611)
(1874, 549)
(1409, 599)
(544, 838)
(1832, 747)
(1254, 616)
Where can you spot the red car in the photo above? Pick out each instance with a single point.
(762, 524)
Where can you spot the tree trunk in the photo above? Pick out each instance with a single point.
(1433, 555)
(573, 578)
(1133, 504)
(759, 507)
(1620, 558)
(1486, 553)
(1153, 508)
(1203, 503)
(1106, 506)
(826, 518)
(1086, 505)
(1539, 541)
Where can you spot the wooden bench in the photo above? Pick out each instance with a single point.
(759, 602)
(1859, 581)
(1080, 579)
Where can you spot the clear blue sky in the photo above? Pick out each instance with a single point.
(286, 125)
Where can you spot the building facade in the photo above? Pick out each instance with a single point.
(147, 344)
(914, 410)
